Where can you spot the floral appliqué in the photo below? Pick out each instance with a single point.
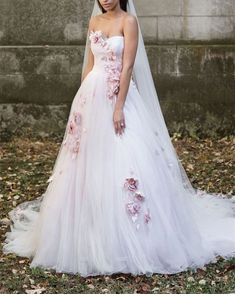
(74, 132)
(135, 202)
(113, 64)
(113, 68)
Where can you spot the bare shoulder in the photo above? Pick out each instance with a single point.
(130, 20)
(130, 25)
(93, 21)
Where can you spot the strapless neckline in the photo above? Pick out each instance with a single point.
(104, 37)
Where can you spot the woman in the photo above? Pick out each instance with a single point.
(118, 199)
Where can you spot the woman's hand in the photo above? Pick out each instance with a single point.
(119, 121)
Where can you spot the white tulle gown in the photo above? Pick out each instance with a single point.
(111, 204)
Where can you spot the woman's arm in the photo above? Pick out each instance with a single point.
(90, 58)
(131, 43)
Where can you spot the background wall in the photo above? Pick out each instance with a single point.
(191, 49)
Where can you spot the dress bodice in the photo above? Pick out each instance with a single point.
(106, 49)
(108, 52)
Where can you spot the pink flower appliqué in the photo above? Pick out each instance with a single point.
(71, 127)
(113, 68)
(112, 63)
(95, 37)
(135, 203)
(147, 217)
(133, 208)
(139, 197)
(131, 184)
(73, 138)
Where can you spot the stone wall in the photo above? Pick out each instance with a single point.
(188, 20)
(190, 45)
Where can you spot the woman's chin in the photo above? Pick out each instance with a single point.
(107, 8)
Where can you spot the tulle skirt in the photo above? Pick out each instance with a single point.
(112, 203)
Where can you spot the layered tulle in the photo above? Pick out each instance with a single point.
(112, 203)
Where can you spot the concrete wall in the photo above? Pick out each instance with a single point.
(187, 20)
(190, 44)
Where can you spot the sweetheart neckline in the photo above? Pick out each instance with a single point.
(106, 37)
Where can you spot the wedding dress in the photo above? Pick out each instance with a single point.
(114, 203)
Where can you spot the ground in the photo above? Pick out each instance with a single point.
(26, 164)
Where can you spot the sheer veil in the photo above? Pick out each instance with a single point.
(144, 81)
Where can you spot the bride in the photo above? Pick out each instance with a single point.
(118, 199)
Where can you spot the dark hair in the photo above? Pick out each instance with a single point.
(123, 5)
